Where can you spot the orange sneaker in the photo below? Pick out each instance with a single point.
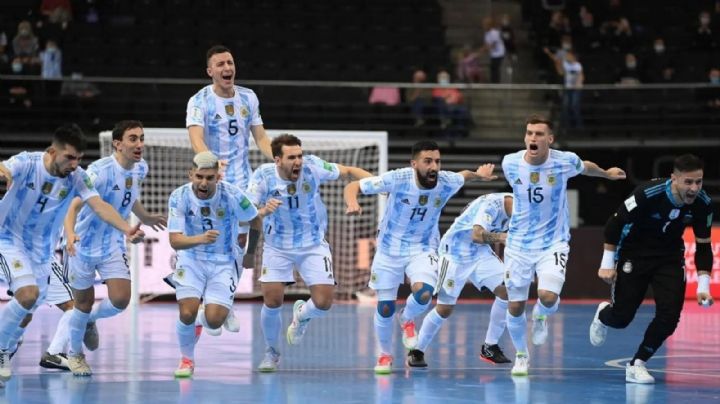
(186, 368)
(384, 364)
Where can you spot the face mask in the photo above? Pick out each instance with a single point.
(631, 65)
(715, 80)
(659, 48)
(566, 46)
(17, 67)
(24, 31)
(704, 20)
(444, 81)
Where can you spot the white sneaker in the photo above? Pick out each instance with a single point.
(296, 329)
(270, 361)
(638, 373)
(231, 324)
(408, 331)
(78, 365)
(5, 371)
(539, 327)
(200, 321)
(522, 363)
(598, 330)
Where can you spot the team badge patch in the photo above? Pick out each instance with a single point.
(306, 187)
(552, 180)
(245, 203)
(88, 182)
(205, 211)
(291, 189)
(264, 270)
(229, 109)
(128, 182)
(17, 264)
(373, 277)
(437, 202)
(535, 177)
(63, 193)
(180, 273)
(450, 283)
(244, 112)
(327, 166)
(423, 200)
(46, 187)
(221, 213)
(627, 267)
(674, 214)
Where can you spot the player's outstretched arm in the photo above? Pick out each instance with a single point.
(484, 172)
(262, 140)
(593, 170)
(69, 225)
(482, 236)
(607, 271)
(180, 241)
(108, 214)
(351, 198)
(156, 222)
(352, 173)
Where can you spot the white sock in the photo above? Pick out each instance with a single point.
(186, 339)
(271, 323)
(413, 308)
(310, 311)
(430, 327)
(496, 327)
(383, 333)
(77, 324)
(10, 320)
(103, 309)
(15, 338)
(517, 327)
(62, 334)
(541, 310)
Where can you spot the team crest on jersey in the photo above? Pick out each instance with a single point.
(437, 203)
(230, 109)
(46, 187)
(180, 273)
(373, 277)
(205, 211)
(128, 182)
(17, 264)
(88, 182)
(291, 189)
(327, 166)
(450, 283)
(306, 187)
(220, 213)
(552, 180)
(264, 270)
(63, 193)
(674, 214)
(423, 200)
(245, 203)
(534, 177)
(244, 112)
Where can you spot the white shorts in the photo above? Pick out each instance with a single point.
(81, 270)
(387, 272)
(548, 265)
(214, 282)
(487, 271)
(16, 262)
(58, 288)
(314, 264)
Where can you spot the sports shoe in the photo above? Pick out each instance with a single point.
(199, 320)
(416, 359)
(17, 346)
(598, 330)
(231, 324)
(56, 361)
(270, 361)
(384, 364)
(539, 327)
(78, 365)
(638, 373)
(493, 354)
(186, 368)
(409, 335)
(522, 362)
(91, 338)
(5, 371)
(296, 329)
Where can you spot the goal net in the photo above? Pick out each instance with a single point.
(169, 157)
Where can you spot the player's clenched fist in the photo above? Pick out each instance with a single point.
(209, 237)
(353, 209)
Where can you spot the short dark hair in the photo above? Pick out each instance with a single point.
(70, 134)
(687, 163)
(535, 119)
(214, 50)
(422, 146)
(123, 126)
(285, 139)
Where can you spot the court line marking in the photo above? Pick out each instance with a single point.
(616, 363)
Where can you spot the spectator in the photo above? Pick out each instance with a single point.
(570, 69)
(51, 59)
(710, 96)
(559, 25)
(704, 38)
(450, 106)
(469, 69)
(630, 73)
(25, 50)
(508, 36)
(659, 67)
(619, 35)
(57, 12)
(419, 98)
(587, 34)
(495, 47)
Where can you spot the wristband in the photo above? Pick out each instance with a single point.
(608, 260)
(703, 284)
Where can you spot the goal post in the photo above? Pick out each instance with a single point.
(169, 157)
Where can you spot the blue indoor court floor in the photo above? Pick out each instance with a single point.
(335, 360)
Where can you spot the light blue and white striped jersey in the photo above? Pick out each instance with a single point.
(540, 218)
(118, 187)
(33, 209)
(410, 223)
(487, 211)
(226, 123)
(301, 220)
(223, 212)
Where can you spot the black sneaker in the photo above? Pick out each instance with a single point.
(493, 354)
(58, 361)
(416, 359)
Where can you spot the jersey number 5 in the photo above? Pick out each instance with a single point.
(232, 127)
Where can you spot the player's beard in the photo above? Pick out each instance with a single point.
(425, 180)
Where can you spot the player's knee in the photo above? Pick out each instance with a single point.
(323, 302)
(214, 322)
(547, 298)
(27, 296)
(120, 302)
(386, 308)
(188, 315)
(444, 310)
(424, 294)
(516, 308)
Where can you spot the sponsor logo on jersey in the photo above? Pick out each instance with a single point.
(656, 216)
(217, 117)
(205, 211)
(230, 109)
(88, 182)
(627, 267)
(276, 193)
(327, 166)
(116, 188)
(423, 200)
(31, 185)
(405, 201)
(518, 182)
(46, 187)
(674, 214)
(534, 177)
(291, 189)
(191, 213)
(128, 182)
(306, 187)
